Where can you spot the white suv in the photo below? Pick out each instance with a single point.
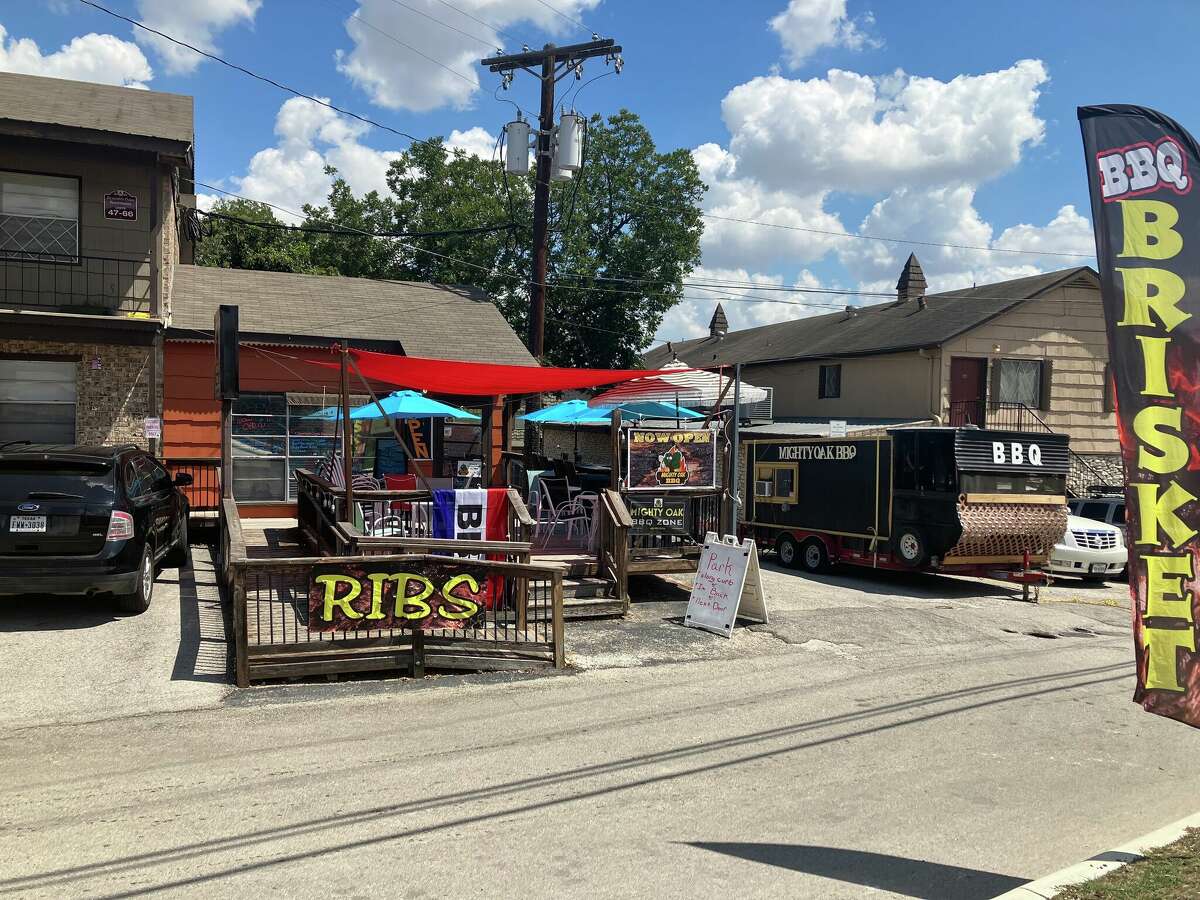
(1090, 549)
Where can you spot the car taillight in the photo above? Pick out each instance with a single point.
(120, 526)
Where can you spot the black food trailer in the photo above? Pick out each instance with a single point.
(957, 500)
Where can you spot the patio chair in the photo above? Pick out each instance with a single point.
(559, 506)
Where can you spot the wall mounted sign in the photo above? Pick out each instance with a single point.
(659, 458)
(153, 427)
(120, 205)
(660, 515)
(728, 585)
(421, 594)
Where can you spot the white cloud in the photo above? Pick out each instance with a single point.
(860, 134)
(730, 243)
(474, 142)
(405, 77)
(745, 307)
(808, 25)
(311, 137)
(100, 58)
(197, 23)
(948, 215)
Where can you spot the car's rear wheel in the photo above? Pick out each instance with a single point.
(139, 600)
(181, 553)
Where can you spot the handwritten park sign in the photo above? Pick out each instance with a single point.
(421, 594)
(671, 458)
(728, 586)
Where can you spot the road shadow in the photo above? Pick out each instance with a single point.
(46, 612)
(204, 623)
(914, 585)
(898, 874)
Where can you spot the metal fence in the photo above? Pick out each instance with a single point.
(999, 416)
(204, 493)
(80, 284)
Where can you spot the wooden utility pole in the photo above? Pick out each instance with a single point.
(347, 434)
(555, 63)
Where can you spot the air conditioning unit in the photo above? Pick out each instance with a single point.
(762, 411)
(764, 488)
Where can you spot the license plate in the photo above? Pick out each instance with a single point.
(27, 523)
(1097, 568)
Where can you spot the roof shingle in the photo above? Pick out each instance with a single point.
(882, 328)
(96, 107)
(431, 320)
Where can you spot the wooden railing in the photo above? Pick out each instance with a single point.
(521, 625)
(612, 545)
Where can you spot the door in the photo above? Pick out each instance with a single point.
(968, 391)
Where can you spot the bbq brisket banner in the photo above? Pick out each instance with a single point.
(1141, 166)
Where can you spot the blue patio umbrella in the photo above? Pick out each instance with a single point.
(577, 412)
(410, 405)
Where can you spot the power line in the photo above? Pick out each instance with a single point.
(558, 12)
(473, 18)
(391, 37)
(415, 140)
(467, 34)
(342, 232)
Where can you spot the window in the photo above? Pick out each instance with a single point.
(1020, 381)
(1094, 510)
(39, 217)
(37, 401)
(273, 437)
(781, 477)
(830, 385)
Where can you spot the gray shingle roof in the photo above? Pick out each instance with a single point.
(881, 328)
(425, 319)
(96, 107)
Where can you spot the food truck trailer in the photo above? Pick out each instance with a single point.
(956, 500)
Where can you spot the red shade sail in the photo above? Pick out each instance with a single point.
(468, 379)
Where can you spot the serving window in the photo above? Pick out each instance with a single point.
(775, 482)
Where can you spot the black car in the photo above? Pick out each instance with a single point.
(88, 520)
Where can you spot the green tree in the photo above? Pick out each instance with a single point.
(632, 213)
(231, 245)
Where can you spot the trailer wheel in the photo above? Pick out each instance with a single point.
(813, 556)
(787, 550)
(911, 548)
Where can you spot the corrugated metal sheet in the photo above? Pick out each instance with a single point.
(1012, 451)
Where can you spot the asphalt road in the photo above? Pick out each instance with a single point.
(880, 737)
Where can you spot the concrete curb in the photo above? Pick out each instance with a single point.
(1102, 863)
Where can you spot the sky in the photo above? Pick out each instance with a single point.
(937, 121)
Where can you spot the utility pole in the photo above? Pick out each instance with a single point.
(555, 63)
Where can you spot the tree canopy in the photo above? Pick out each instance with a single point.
(624, 234)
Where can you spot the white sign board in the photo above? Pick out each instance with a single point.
(728, 585)
(837, 427)
(153, 428)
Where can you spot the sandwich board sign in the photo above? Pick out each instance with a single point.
(728, 585)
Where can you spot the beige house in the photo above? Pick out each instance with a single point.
(1028, 354)
(90, 181)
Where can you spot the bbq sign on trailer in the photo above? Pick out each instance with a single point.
(1140, 167)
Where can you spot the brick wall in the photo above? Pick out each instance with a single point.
(113, 401)
(595, 443)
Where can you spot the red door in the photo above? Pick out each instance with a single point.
(968, 390)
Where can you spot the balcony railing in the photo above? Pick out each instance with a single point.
(87, 285)
(1000, 416)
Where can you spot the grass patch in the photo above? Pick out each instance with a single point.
(1168, 873)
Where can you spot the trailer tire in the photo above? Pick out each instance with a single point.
(788, 551)
(813, 556)
(911, 547)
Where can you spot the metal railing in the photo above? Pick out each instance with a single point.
(1002, 416)
(88, 285)
(204, 493)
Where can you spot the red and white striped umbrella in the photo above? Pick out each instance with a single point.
(690, 387)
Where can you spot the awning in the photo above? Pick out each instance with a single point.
(465, 379)
(677, 382)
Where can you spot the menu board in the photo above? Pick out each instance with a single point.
(728, 586)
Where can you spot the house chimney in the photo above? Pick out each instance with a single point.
(719, 326)
(911, 285)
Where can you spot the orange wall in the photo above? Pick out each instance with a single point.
(192, 418)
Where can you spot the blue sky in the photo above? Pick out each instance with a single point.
(935, 120)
